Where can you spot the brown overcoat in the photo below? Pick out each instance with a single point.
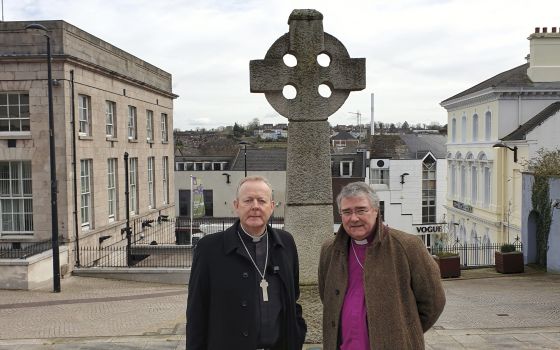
(403, 290)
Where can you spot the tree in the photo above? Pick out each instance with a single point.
(253, 125)
(238, 130)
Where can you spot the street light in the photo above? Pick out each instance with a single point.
(514, 149)
(244, 143)
(54, 206)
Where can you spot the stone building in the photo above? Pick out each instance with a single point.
(516, 109)
(106, 102)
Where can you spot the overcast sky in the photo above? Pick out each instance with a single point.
(418, 52)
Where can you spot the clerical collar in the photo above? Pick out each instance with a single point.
(255, 239)
(361, 242)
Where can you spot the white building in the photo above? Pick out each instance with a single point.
(517, 109)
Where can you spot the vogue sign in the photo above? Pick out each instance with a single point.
(427, 229)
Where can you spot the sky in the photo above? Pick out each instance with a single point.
(418, 52)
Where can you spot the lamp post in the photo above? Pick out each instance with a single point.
(244, 143)
(514, 149)
(54, 205)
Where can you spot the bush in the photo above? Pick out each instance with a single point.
(507, 248)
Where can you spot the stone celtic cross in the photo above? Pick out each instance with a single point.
(309, 202)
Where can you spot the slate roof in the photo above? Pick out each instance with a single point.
(521, 132)
(343, 135)
(407, 146)
(261, 159)
(515, 77)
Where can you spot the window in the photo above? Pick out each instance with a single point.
(110, 119)
(487, 187)
(165, 179)
(16, 198)
(112, 189)
(86, 193)
(453, 130)
(464, 129)
(133, 186)
(429, 190)
(164, 133)
(488, 125)
(151, 189)
(463, 182)
(346, 168)
(453, 180)
(474, 184)
(149, 125)
(475, 127)
(84, 114)
(14, 112)
(379, 176)
(132, 130)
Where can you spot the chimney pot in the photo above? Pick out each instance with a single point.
(537, 29)
(544, 29)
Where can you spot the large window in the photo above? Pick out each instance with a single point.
(165, 179)
(464, 129)
(488, 126)
(164, 130)
(16, 198)
(151, 188)
(132, 123)
(112, 189)
(379, 176)
(429, 190)
(487, 187)
(475, 127)
(463, 182)
(84, 114)
(474, 184)
(453, 130)
(133, 186)
(149, 125)
(14, 112)
(110, 119)
(86, 193)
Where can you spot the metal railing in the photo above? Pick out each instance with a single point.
(163, 256)
(24, 250)
(475, 254)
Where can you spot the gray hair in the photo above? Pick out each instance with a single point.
(357, 189)
(253, 178)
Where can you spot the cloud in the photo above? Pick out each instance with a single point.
(418, 52)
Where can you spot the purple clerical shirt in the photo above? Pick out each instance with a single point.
(354, 316)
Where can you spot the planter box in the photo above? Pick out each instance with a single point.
(449, 266)
(509, 262)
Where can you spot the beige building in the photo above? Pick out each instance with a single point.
(516, 109)
(106, 102)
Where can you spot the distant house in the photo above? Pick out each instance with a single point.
(344, 139)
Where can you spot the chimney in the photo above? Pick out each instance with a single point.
(544, 56)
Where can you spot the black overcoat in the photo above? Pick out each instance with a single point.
(222, 299)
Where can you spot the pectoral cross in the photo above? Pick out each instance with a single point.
(264, 287)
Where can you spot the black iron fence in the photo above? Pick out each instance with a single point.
(163, 256)
(162, 242)
(23, 250)
(475, 254)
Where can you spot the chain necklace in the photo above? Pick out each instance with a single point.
(356, 255)
(264, 283)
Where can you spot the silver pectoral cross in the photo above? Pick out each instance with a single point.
(264, 287)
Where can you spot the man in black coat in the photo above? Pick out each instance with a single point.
(244, 282)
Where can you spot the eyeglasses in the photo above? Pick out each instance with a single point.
(357, 211)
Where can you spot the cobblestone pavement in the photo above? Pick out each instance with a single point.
(482, 312)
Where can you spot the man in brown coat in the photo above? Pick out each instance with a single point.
(380, 287)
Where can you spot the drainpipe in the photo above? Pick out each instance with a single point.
(126, 196)
(74, 167)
